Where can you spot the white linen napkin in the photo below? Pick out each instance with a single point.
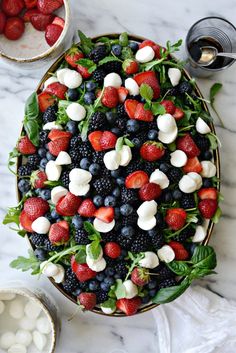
(197, 322)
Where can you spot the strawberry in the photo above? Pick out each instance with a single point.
(208, 208)
(12, 7)
(30, 4)
(59, 233)
(87, 208)
(49, 6)
(95, 140)
(130, 66)
(87, 300)
(57, 89)
(143, 114)
(192, 165)
(140, 277)
(55, 134)
(14, 28)
(208, 193)
(40, 21)
(181, 254)
(45, 100)
(35, 207)
(112, 250)
(105, 214)
(82, 271)
(128, 306)
(52, 34)
(108, 140)
(73, 55)
(110, 97)
(83, 71)
(38, 179)
(149, 191)
(68, 205)
(25, 146)
(25, 222)
(152, 151)
(169, 106)
(176, 218)
(130, 107)
(55, 147)
(154, 46)
(136, 180)
(178, 114)
(122, 94)
(29, 13)
(59, 22)
(187, 144)
(2, 21)
(150, 78)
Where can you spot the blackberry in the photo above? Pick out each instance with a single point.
(43, 135)
(102, 296)
(98, 53)
(140, 243)
(34, 160)
(97, 157)
(81, 237)
(124, 242)
(84, 150)
(174, 91)
(75, 141)
(158, 240)
(185, 234)
(50, 114)
(121, 123)
(65, 178)
(121, 269)
(174, 175)
(71, 282)
(109, 236)
(187, 201)
(84, 286)
(112, 66)
(165, 273)
(121, 110)
(145, 126)
(169, 282)
(25, 170)
(38, 239)
(99, 75)
(50, 247)
(133, 166)
(103, 186)
(166, 156)
(130, 220)
(128, 195)
(202, 142)
(74, 154)
(185, 87)
(97, 121)
(149, 167)
(142, 136)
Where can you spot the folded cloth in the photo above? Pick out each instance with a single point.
(199, 321)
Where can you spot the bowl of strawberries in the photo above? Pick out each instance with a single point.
(118, 176)
(33, 30)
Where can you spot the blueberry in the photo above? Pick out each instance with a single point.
(93, 285)
(109, 280)
(207, 155)
(42, 152)
(190, 247)
(152, 232)
(45, 194)
(94, 169)
(120, 181)
(40, 254)
(116, 192)
(152, 284)
(110, 201)
(77, 222)
(89, 98)
(72, 126)
(50, 157)
(104, 286)
(116, 49)
(128, 231)
(84, 163)
(146, 299)
(100, 276)
(111, 117)
(164, 167)
(152, 293)
(117, 213)
(55, 215)
(137, 142)
(43, 163)
(133, 46)
(24, 186)
(168, 196)
(152, 134)
(73, 94)
(132, 125)
(116, 131)
(115, 173)
(207, 183)
(126, 209)
(109, 271)
(77, 292)
(177, 194)
(98, 201)
(90, 86)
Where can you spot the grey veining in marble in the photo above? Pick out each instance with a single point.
(160, 21)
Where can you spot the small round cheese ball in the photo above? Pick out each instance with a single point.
(16, 308)
(40, 340)
(17, 348)
(27, 324)
(32, 310)
(43, 325)
(7, 340)
(23, 337)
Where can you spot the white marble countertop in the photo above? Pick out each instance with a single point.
(159, 21)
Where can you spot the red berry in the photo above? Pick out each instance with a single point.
(108, 140)
(150, 78)
(112, 249)
(55, 147)
(157, 48)
(57, 89)
(25, 146)
(140, 277)
(87, 300)
(14, 28)
(105, 214)
(38, 179)
(29, 13)
(176, 218)
(192, 165)
(30, 4)
(40, 21)
(169, 106)
(73, 55)
(59, 233)
(82, 271)
(25, 222)
(68, 205)
(52, 34)
(208, 193)
(143, 114)
(58, 134)
(130, 66)
(110, 97)
(152, 151)
(12, 7)
(187, 144)
(178, 114)
(149, 191)
(181, 254)
(87, 208)
(59, 22)
(136, 180)
(122, 93)
(95, 140)
(2, 21)
(83, 71)
(128, 306)
(208, 208)
(35, 207)
(130, 107)
(45, 100)
(49, 6)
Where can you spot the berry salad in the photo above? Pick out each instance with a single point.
(117, 177)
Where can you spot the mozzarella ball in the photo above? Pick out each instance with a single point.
(52, 125)
(187, 184)
(43, 325)
(27, 324)
(32, 309)
(53, 171)
(50, 80)
(166, 254)
(7, 339)
(147, 224)
(76, 111)
(178, 158)
(80, 176)
(112, 80)
(208, 169)
(63, 158)
(96, 266)
(41, 225)
(17, 348)
(160, 178)
(145, 54)
(112, 160)
(202, 127)
(150, 260)
(169, 137)
(199, 235)
(39, 340)
(166, 123)
(72, 79)
(61, 75)
(57, 193)
(103, 227)
(131, 290)
(132, 86)
(16, 308)
(174, 75)
(147, 209)
(125, 155)
(78, 189)
(23, 337)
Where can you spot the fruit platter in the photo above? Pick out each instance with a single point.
(118, 176)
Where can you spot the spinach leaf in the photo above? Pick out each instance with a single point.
(166, 295)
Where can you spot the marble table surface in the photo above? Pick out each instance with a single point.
(159, 21)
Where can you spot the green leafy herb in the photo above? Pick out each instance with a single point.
(119, 143)
(12, 216)
(135, 258)
(123, 39)
(127, 53)
(80, 256)
(171, 48)
(109, 303)
(128, 142)
(108, 59)
(146, 92)
(89, 228)
(214, 140)
(32, 130)
(215, 219)
(204, 257)
(12, 159)
(85, 43)
(180, 268)
(32, 107)
(158, 109)
(214, 90)
(53, 183)
(26, 264)
(166, 295)
(94, 250)
(88, 64)
(120, 289)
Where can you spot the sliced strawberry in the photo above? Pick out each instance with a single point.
(122, 94)
(40, 21)
(95, 140)
(12, 7)
(105, 214)
(26, 222)
(29, 13)
(38, 179)
(14, 28)
(178, 114)
(52, 34)
(83, 71)
(140, 276)
(59, 234)
(110, 97)
(193, 165)
(187, 144)
(49, 6)
(73, 55)
(25, 146)
(208, 208)
(58, 134)
(112, 250)
(181, 254)
(68, 205)
(208, 193)
(65, 224)
(169, 106)
(35, 207)
(176, 218)
(30, 4)
(45, 100)
(136, 180)
(130, 66)
(87, 300)
(59, 22)
(155, 47)
(82, 271)
(152, 151)
(130, 107)
(55, 147)
(143, 114)
(3, 20)
(128, 306)
(57, 89)
(108, 140)
(87, 208)
(150, 78)
(149, 191)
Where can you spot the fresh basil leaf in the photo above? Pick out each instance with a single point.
(83, 127)
(108, 59)
(119, 143)
(166, 295)
(85, 43)
(25, 264)
(146, 92)
(123, 39)
(94, 250)
(201, 272)
(80, 256)
(53, 183)
(88, 64)
(109, 303)
(32, 130)
(215, 219)
(214, 90)
(89, 228)
(181, 268)
(204, 256)
(120, 291)
(32, 107)
(158, 109)
(128, 142)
